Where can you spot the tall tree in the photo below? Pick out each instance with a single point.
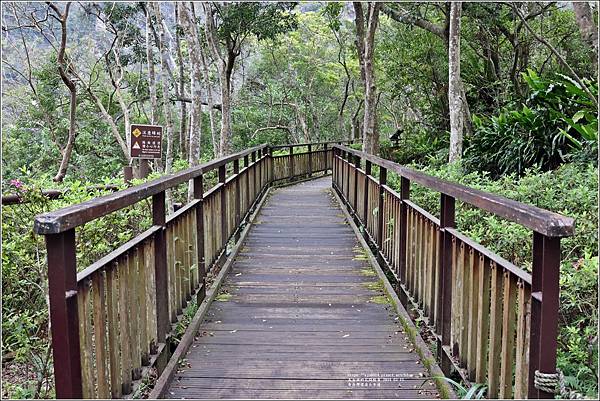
(401, 14)
(454, 84)
(164, 79)
(183, 114)
(209, 99)
(227, 28)
(194, 46)
(365, 40)
(151, 69)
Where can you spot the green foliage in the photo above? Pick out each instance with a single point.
(417, 145)
(263, 20)
(475, 392)
(557, 123)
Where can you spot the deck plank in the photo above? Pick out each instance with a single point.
(303, 316)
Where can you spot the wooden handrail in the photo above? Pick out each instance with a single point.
(295, 145)
(140, 289)
(52, 194)
(73, 216)
(542, 221)
(493, 321)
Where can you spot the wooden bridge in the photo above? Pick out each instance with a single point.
(306, 288)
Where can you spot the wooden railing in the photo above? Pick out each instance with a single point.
(112, 322)
(494, 322)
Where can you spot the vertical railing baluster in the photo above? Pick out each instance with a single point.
(544, 309)
(309, 160)
(238, 199)
(260, 169)
(291, 165)
(222, 180)
(199, 195)
(447, 220)
(382, 182)
(64, 318)
(247, 183)
(347, 157)
(160, 267)
(355, 200)
(327, 163)
(253, 158)
(366, 198)
(271, 170)
(403, 226)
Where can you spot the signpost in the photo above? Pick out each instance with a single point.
(145, 144)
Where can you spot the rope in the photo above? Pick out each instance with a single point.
(554, 383)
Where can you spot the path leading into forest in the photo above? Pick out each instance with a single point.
(302, 314)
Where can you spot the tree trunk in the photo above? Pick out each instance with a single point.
(68, 149)
(183, 118)
(151, 70)
(189, 27)
(111, 122)
(225, 137)
(63, 69)
(587, 27)
(225, 68)
(158, 165)
(366, 49)
(164, 78)
(455, 97)
(209, 100)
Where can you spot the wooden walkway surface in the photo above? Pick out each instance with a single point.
(301, 314)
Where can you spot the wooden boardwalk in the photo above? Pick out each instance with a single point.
(301, 314)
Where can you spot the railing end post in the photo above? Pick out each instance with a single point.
(64, 317)
(545, 279)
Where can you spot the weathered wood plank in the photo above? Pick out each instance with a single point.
(302, 305)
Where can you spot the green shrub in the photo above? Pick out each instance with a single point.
(558, 123)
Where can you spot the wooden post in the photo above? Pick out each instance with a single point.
(403, 226)
(366, 198)
(259, 167)
(271, 169)
(199, 194)
(254, 175)
(446, 221)
(144, 168)
(327, 163)
(333, 166)
(222, 179)
(64, 318)
(355, 200)
(309, 160)
(247, 183)
(160, 267)
(238, 198)
(382, 182)
(291, 163)
(544, 309)
(348, 158)
(127, 174)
